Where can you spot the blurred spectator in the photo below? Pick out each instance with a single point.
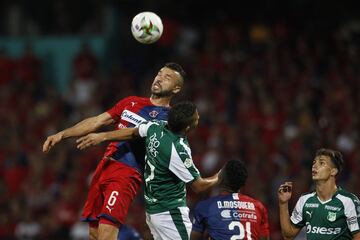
(28, 228)
(79, 231)
(85, 64)
(15, 171)
(28, 67)
(7, 225)
(85, 75)
(259, 33)
(7, 67)
(65, 209)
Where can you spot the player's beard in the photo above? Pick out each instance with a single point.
(162, 94)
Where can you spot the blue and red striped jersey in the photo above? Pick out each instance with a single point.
(231, 216)
(128, 113)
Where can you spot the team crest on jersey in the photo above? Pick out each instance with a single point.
(153, 113)
(331, 216)
(188, 163)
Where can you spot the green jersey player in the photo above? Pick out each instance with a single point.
(327, 213)
(168, 168)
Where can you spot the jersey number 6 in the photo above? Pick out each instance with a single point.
(112, 198)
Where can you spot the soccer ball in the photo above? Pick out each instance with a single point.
(147, 27)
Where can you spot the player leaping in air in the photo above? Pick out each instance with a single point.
(168, 167)
(118, 175)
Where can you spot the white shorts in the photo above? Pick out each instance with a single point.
(173, 224)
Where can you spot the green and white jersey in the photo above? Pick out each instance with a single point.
(168, 167)
(337, 218)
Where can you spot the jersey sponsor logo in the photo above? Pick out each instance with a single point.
(225, 213)
(188, 163)
(153, 113)
(234, 214)
(322, 230)
(331, 216)
(109, 208)
(311, 205)
(244, 215)
(308, 213)
(236, 204)
(352, 221)
(153, 145)
(332, 208)
(132, 117)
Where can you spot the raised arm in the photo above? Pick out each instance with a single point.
(288, 230)
(117, 135)
(203, 184)
(86, 126)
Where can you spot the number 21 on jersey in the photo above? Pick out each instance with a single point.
(243, 231)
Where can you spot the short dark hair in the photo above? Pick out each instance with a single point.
(234, 174)
(335, 156)
(178, 68)
(181, 115)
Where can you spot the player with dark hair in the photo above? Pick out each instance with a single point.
(329, 212)
(118, 175)
(168, 167)
(231, 215)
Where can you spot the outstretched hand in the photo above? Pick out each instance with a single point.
(91, 139)
(284, 192)
(51, 141)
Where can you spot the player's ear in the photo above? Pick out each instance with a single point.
(176, 89)
(334, 172)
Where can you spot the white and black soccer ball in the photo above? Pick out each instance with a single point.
(147, 27)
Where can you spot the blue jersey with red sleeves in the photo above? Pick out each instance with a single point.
(128, 113)
(231, 216)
